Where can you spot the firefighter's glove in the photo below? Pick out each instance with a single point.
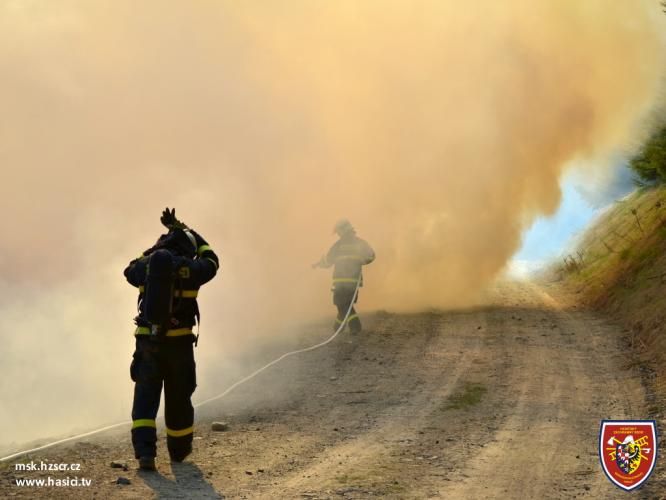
(320, 263)
(169, 220)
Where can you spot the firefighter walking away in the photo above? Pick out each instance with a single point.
(168, 276)
(348, 255)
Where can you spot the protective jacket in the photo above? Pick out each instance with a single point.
(191, 274)
(348, 255)
(167, 360)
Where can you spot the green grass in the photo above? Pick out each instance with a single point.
(371, 480)
(470, 395)
(351, 479)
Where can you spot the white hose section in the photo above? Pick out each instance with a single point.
(209, 400)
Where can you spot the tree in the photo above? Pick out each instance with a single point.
(649, 165)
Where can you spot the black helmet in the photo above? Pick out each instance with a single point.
(179, 241)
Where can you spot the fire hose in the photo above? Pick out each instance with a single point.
(206, 401)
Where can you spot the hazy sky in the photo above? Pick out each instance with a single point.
(550, 237)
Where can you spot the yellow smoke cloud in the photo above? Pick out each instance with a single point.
(440, 129)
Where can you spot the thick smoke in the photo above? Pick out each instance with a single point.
(440, 130)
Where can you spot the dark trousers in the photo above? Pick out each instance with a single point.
(167, 362)
(342, 298)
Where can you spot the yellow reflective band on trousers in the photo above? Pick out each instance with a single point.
(215, 263)
(179, 433)
(186, 294)
(143, 422)
(353, 316)
(202, 249)
(178, 332)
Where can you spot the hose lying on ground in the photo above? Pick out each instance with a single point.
(209, 400)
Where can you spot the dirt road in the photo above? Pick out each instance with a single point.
(501, 401)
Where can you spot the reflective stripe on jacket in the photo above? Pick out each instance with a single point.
(348, 255)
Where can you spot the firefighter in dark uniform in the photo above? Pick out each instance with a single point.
(348, 255)
(164, 354)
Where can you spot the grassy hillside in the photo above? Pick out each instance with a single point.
(620, 267)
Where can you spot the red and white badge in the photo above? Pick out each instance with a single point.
(628, 451)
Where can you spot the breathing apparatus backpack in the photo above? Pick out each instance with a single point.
(159, 291)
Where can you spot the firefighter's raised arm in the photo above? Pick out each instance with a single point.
(205, 266)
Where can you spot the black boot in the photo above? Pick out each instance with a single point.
(147, 463)
(180, 455)
(355, 326)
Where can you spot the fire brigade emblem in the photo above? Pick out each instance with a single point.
(628, 451)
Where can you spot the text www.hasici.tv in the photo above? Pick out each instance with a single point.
(64, 482)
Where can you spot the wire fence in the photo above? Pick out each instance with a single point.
(625, 228)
